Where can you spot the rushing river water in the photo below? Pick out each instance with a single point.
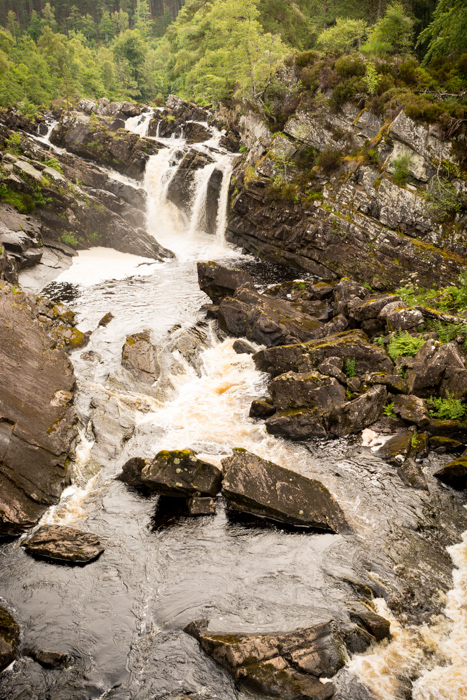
(121, 618)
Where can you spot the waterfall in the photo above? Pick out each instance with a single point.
(140, 124)
(222, 209)
(200, 198)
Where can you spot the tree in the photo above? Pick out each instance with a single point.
(13, 25)
(48, 14)
(393, 34)
(142, 19)
(107, 27)
(130, 47)
(35, 26)
(447, 33)
(346, 35)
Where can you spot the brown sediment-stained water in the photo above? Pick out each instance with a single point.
(121, 618)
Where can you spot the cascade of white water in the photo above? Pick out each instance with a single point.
(140, 124)
(200, 198)
(226, 165)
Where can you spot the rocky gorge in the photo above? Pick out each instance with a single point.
(212, 432)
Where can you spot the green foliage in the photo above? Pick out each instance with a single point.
(444, 200)
(401, 166)
(23, 202)
(69, 239)
(351, 367)
(393, 34)
(13, 144)
(447, 409)
(53, 163)
(388, 410)
(447, 33)
(372, 78)
(405, 345)
(345, 35)
(348, 66)
(379, 341)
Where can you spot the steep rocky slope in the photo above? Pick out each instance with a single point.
(348, 193)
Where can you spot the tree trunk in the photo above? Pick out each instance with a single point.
(380, 9)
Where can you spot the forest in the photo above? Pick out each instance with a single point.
(212, 50)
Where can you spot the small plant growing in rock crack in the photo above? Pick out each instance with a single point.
(348, 394)
(379, 341)
(372, 78)
(351, 367)
(448, 408)
(402, 372)
(388, 410)
(405, 345)
(402, 168)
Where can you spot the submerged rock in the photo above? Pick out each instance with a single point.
(64, 544)
(201, 505)
(47, 659)
(139, 356)
(181, 473)
(9, 639)
(253, 485)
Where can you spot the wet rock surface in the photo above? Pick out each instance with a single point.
(63, 544)
(218, 281)
(38, 424)
(180, 473)
(285, 665)
(9, 638)
(254, 485)
(139, 356)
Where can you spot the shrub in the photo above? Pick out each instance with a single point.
(349, 65)
(329, 160)
(408, 71)
(443, 199)
(351, 367)
(402, 344)
(447, 409)
(402, 168)
(53, 163)
(393, 34)
(306, 58)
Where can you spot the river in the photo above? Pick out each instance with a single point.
(121, 618)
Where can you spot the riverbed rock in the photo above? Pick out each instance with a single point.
(454, 474)
(139, 356)
(47, 659)
(396, 448)
(9, 638)
(298, 424)
(412, 475)
(283, 665)
(254, 485)
(132, 470)
(201, 505)
(63, 544)
(266, 320)
(243, 347)
(306, 390)
(38, 423)
(349, 345)
(180, 190)
(370, 306)
(218, 281)
(354, 416)
(394, 382)
(181, 473)
(262, 408)
(375, 624)
(412, 409)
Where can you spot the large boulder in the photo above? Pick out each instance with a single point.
(438, 367)
(180, 473)
(302, 357)
(139, 356)
(219, 282)
(454, 474)
(63, 544)
(358, 414)
(9, 639)
(181, 187)
(306, 390)
(411, 409)
(266, 320)
(38, 422)
(254, 485)
(278, 665)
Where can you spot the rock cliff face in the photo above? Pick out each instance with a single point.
(347, 211)
(37, 418)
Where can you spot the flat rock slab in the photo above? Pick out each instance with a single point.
(218, 281)
(282, 665)
(9, 638)
(181, 473)
(48, 659)
(65, 544)
(139, 356)
(254, 485)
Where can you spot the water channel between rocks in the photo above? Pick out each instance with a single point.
(122, 617)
